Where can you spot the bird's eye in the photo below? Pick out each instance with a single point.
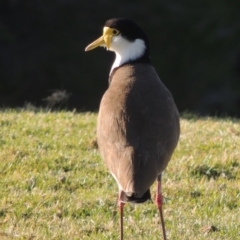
(115, 32)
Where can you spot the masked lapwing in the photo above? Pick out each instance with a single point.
(138, 121)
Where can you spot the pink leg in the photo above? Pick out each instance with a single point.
(159, 202)
(121, 205)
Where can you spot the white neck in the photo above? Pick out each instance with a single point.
(126, 50)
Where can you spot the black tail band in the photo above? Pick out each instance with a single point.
(146, 196)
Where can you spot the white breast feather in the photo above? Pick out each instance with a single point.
(126, 50)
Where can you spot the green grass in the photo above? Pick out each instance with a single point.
(54, 185)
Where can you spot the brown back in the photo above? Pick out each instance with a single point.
(138, 127)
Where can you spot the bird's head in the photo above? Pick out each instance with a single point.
(125, 38)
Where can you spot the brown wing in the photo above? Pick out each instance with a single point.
(138, 127)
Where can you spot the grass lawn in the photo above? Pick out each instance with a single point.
(54, 185)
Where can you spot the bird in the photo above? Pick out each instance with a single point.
(138, 123)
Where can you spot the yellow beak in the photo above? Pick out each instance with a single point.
(104, 40)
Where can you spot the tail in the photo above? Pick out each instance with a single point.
(133, 199)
